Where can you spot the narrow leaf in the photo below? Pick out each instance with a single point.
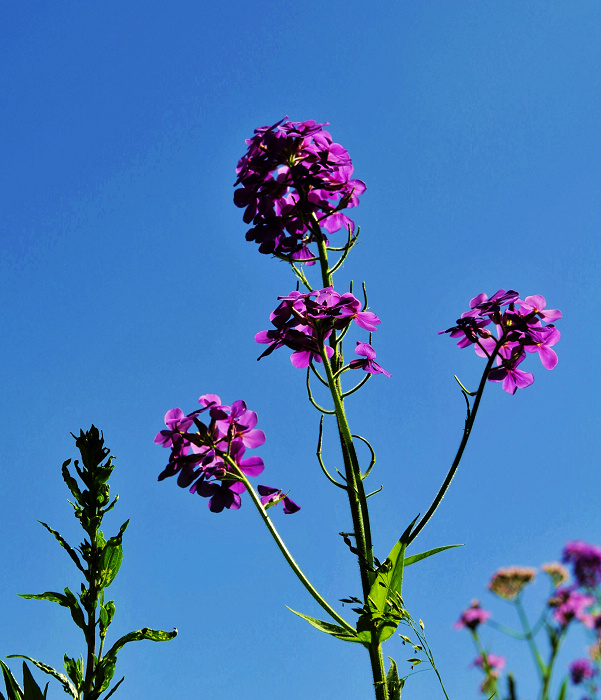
(70, 551)
(30, 687)
(392, 681)
(106, 697)
(12, 687)
(329, 628)
(146, 633)
(424, 555)
(112, 556)
(563, 690)
(65, 682)
(389, 578)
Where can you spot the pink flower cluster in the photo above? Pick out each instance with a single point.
(519, 330)
(294, 176)
(199, 458)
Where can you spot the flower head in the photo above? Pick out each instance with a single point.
(558, 572)
(209, 458)
(473, 617)
(496, 663)
(509, 581)
(519, 330)
(271, 497)
(295, 180)
(581, 670)
(570, 605)
(586, 562)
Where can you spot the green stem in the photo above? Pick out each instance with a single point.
(540, 666)
(282, 547)
(469, 422)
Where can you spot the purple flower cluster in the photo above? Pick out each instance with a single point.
(198, 458)
(304, 321)
(581, 670)
(473, 617)
(569, 604)
(586, 562)
(294, 177)
(519, 330)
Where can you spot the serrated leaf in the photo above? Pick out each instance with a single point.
(392, 681)
(139, 635)
(70, 551)
(12, 687)
(65, 682)
(329, 628)
(31, 689)
(424, 555)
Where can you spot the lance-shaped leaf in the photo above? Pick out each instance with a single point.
(72, 484)
(145, 633)
(74, 669)
(65, 682)
(114, 688)
(330, 628)
(112, 556)
(424, 555)
(12, 687)
(393, 682)
(70, 551)
(389, 577)
(68, 600)
(30, 687)
(563, 690)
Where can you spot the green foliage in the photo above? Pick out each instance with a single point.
(329, 628)
(394, 684)
(99, 561)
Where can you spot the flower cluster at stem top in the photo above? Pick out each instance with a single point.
(203, 459)
(304, 321)
(295, 180)
(519, 330)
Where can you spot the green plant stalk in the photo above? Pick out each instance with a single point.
(354, 482)
(466, 435)
(284, 550)
(540, 665)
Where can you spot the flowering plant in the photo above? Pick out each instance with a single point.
(567, 606)
(295, 185)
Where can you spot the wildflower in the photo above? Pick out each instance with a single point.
(586, 562)
(519, 331)
(570, 605)
(295, 181)
(472, 617)
(580, 670)
(494, 662)
(271, 497)
(558, 573)
(368, 364)
(509, 581)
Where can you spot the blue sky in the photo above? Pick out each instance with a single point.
(128, 289)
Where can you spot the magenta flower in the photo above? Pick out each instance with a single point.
(581, 670)
(368, 364)
(586, 562)
(497, 663)
(518, 332)
(473, 617)
(293, 174)
(209, 459)
(570, 605)
(271, 497)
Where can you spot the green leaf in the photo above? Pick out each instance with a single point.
(104, 672)
(563, 690)
(65, 682)
(112, 556)
(74, 669)
(329, 628)
(30, 687)
(68, 600)
(393, 682)
(114, 688)
(70, 551)
(389, 577)
(12, 687)
(146, 633)
(424, 555)
(71, 483)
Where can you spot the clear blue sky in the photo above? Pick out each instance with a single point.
(127, 288)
